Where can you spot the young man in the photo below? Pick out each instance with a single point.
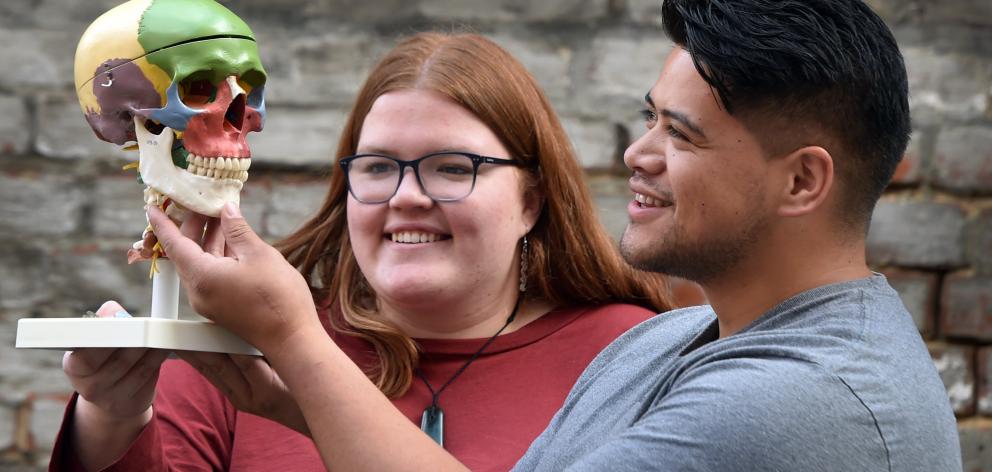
(771, 132)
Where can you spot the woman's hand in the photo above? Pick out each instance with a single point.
(116, 387)
(239, 281)
(119, 382)
(251, 385)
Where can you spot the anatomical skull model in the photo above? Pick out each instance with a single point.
(181, 79)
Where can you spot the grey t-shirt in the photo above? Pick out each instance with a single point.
(833, 379)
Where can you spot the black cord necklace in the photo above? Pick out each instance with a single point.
(432, 422)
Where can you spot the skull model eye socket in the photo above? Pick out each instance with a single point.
(197, 93)
(154, 127)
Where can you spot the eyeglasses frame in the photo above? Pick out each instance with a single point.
(477, 160)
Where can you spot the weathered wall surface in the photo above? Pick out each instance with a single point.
(67, 211)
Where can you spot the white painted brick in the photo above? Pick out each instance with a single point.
(644, 11)
(515, 10)
(615, 72)
(292, 204)
(118, 206)
(7, 419)
(964, 159)
(25, 280)
(917, 234)
(944, 85)
(94, 274)
(64, 133)
(298, 137)
(594, 141)
(39, 204)
(33, 58)
(15, 131)
(955, 368)
(325, 69)
(549, 64)
(46, 420)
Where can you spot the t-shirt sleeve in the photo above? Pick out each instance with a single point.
(748, 414)
(191, 429)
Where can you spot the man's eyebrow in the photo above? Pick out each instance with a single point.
(684, 119)
(677, 116)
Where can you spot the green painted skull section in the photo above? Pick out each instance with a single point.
(212, 60)
(169, 22)
(171, 30)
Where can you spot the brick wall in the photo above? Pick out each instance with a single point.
(67, 211)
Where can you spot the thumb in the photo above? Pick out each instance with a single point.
(238, 236)
(112, 309)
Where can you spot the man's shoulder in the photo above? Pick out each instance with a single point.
(679, 325)
(657, 339)
(687, 319)
(639, 323)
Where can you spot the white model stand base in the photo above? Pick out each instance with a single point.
(163, 330)
(176, 335)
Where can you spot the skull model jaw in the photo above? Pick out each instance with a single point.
(198, 193)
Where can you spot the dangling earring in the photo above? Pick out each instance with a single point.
(523, 265)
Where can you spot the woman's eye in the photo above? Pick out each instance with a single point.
(377, 168)
(454, 170)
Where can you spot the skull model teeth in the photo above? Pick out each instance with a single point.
(227, 168)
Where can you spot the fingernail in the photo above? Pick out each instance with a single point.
(232, 210)
(122, 314)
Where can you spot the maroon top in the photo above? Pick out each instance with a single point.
(492, 411)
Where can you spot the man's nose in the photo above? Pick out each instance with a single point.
(647, 153)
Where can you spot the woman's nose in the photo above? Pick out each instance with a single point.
(410, 193)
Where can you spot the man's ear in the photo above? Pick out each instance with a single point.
(809, 179)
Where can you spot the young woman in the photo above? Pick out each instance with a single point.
(456, 261)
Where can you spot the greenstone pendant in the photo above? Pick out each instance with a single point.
(432, 423)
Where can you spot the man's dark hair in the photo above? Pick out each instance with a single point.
(806, 72)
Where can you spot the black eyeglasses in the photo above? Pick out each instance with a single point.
(443, 176)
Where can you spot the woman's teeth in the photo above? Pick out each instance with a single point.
(413, 237)
(219, 167)
(647, 201)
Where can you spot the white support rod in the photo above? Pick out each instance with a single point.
(165, 291)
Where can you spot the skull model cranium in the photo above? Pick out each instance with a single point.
(183, 80)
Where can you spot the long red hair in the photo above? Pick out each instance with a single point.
(572, 261)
